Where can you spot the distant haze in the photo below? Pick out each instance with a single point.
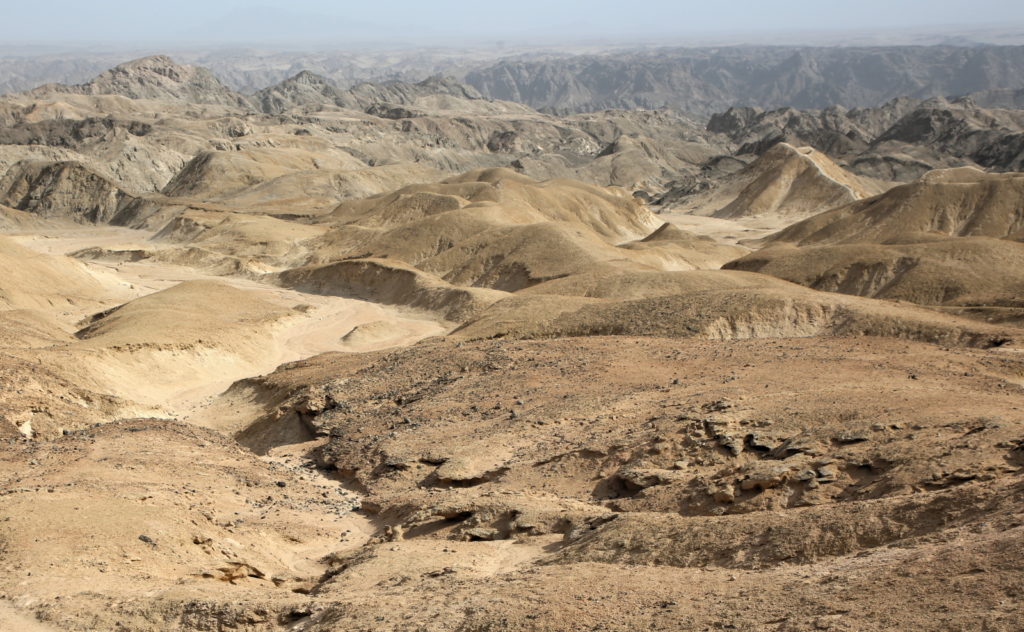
(457, 23)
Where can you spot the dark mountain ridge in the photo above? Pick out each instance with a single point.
(703, 81)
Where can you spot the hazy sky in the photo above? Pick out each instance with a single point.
(318, 22)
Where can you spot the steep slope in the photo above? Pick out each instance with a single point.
(957, 271)
(784, 181)
(64, 190)
(955, 202)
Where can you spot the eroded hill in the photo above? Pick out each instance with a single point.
(402, 357)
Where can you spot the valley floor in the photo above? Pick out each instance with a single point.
(317, 325)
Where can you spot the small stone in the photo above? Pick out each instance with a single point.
(760, 442)
(146, 539)
(394, 533)
(849, 437)
(483, 533)
(724, 494)
(762, 475)
(734, 446)
(642, 478)
(828, 473)
(799, 444)
(717, 406)
(281, 484)
(447, 570)
(806, 475)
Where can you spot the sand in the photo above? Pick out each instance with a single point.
(313, 324)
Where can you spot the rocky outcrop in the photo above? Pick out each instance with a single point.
(900, 140)
(302, 90)
(66, 190)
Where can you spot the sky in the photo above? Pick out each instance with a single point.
(455, 22)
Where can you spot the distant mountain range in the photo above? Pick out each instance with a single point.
(702, 81)
(699, 81)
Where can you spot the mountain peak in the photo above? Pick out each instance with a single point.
(442, 84)
(146, 69)
(152, 61)
(305, 88)
(308, 78)
(159, 77)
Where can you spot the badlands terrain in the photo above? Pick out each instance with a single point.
(406, 356)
